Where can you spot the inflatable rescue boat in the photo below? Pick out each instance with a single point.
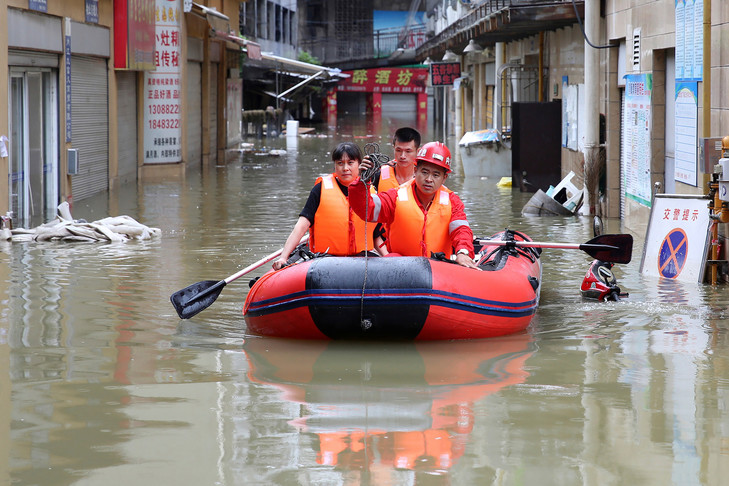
(402, 298)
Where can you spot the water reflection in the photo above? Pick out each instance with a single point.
(379, 407)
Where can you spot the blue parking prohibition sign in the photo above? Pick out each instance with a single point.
(673, 252)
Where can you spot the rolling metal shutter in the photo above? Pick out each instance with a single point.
(126, 85)
(213, 112)
(400, 109)
(90, 125)
(194, 114)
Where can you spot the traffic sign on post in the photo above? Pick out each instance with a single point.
(677, 240)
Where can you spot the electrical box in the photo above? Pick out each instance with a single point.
(709, 153)
(72, 162)
(724, 180)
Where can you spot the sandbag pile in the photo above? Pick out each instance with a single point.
(65, 228)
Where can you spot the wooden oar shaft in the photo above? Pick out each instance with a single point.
(610, 248)
(253, 266)
(531, 244)
(261, 262)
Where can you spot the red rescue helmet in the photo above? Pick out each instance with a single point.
(435, 153)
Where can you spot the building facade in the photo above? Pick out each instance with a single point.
(102, 92)
(659, 61)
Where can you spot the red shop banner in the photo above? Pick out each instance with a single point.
(134, 30)
(385, 80)
(444, 73)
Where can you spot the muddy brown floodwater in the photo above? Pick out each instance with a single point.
(102, 383)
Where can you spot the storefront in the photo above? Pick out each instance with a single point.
(396, 94)
(58, 101)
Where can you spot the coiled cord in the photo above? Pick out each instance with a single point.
(372, 151)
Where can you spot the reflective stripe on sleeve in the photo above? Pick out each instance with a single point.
(378, 207)
(457, 223)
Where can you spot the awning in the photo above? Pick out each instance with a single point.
(216, 20)
(219, 28)
(281, 97)
(313, 71)
(290, 64)
(495, 21)
(252, 48)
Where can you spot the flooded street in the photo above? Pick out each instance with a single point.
(102, 383)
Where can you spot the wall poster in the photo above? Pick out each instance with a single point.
(686, 129)
(637, 138)
(162, 104)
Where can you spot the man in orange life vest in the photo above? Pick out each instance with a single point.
(333, 227)
(421, 216)
(406, 143)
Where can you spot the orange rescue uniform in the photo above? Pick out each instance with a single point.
(410, 220)
(413, 230)
(336, 229)
(387, 179)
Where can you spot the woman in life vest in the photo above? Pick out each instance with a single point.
(333, 227)
(421, 216)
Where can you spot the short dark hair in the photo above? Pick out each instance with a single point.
(349, 148)
(405, 135)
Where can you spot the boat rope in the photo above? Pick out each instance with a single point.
(365, 323)
(372, 151)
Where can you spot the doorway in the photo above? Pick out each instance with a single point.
(34, 146)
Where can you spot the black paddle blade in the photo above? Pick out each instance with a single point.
(610, 248)
(196, 298)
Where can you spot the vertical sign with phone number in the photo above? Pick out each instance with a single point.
(162, 104)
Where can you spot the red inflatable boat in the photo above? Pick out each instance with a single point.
(401, 298)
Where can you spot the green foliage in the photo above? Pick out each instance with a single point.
(304, 56)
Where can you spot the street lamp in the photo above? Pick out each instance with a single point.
(472, 47)
(449, 56)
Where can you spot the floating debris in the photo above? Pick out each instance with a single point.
(65, 228)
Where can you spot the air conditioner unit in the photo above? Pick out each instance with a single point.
(72, 162)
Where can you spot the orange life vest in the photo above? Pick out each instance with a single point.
(387, 179)
(336, 229)
(414, 233)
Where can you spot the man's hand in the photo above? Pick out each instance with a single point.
(366, 163)
(280, 263)
(466, 261)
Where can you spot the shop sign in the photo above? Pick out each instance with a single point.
(444, 73)
(39, 5)
(385, 80)
(92, 11)
(162, 103)
(134, 31)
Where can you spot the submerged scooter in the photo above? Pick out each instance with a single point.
(600, 282)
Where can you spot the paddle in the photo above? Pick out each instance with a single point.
(608, 248)
(199, 296)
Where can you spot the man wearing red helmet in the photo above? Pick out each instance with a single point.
(421, 216)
